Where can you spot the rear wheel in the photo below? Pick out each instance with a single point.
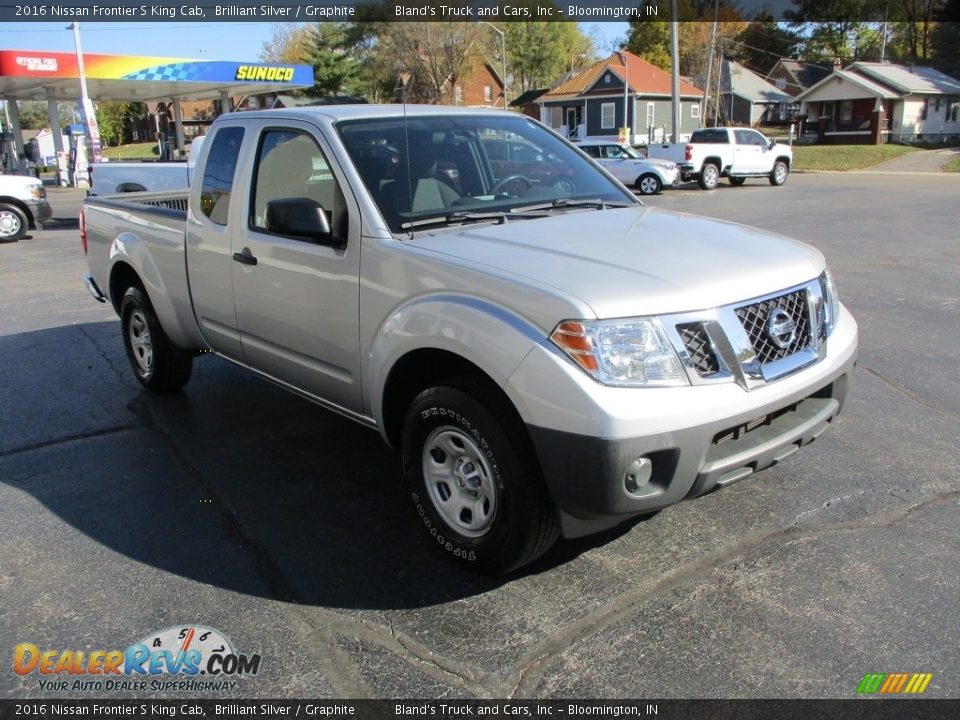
(649, 184)
(13, 222)
(473, 477)
(159, 365)
(737, 181)
(709, 176)
(778, 176)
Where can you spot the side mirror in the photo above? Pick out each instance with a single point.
(301, 218)
(772, 143)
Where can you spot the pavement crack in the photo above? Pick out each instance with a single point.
(529, 670)
(122, 375)
(909, 393)
(67, 439)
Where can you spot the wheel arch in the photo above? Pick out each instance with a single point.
(122, 277)
(21, 206)
(420, 369)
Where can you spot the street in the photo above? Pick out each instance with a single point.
(237, 506)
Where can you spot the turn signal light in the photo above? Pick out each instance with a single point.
(573, 339)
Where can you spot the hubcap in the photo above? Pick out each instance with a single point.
(459, 481)
(648, 186)
(710, 176)
(781, 173)
(9, 224)
(140, 342)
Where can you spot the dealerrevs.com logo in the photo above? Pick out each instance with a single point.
(190, 658)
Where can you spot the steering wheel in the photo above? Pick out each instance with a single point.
(516, 178)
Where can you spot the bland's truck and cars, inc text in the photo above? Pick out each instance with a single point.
(548, 355)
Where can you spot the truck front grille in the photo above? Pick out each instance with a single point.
(758, 318)
(697, 343)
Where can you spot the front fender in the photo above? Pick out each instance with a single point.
(486, 334)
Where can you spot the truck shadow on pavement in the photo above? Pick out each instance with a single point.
(233, 482)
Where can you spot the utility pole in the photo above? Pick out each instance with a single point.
(704, 111)
(89, 116)
(503, 54)
(674, 71)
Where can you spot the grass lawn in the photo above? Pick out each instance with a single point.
(952, 166)
(845, 157)
(136, 151)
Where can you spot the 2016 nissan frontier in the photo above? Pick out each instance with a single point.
(547, 354)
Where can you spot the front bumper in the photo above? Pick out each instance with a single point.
(692, 439)
(40, 210)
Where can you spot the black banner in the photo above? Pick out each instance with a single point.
(594, 11)
(854, 709)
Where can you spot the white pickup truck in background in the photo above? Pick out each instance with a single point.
(118, 176)
(731, 152)
(548, 355)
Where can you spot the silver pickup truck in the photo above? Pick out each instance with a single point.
(547, 354)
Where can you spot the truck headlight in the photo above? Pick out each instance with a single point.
(37, 192)
(625, 353)
(831, 305)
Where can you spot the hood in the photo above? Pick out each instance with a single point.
(15, 182)
(635, 261)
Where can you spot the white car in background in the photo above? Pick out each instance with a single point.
(631, 168)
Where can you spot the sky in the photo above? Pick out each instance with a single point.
(204, 41)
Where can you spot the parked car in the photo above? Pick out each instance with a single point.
(648, 176)
(516, 161)
(545, 361)
(23, 206)
(731, 152)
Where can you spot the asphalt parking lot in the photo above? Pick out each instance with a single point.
(240, 507)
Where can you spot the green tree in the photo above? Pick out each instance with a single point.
(945, 40)
(540, 52)
(336, 69)
(115, 120)
(764, 41)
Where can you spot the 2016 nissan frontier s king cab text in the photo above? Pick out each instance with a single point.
(547, 354)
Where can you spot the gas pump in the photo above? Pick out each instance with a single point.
(9, 164)
(78, 167)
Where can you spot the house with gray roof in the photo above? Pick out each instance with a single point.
(881, 102)
(748, 99)
(795, 76)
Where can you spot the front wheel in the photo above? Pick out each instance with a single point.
(13, 223)
(649, 184)
(160, 366)
(709, 176)
(473, 478)
(778, 176)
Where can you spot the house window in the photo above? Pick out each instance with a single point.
(936, 105)
(608, 116)
(606, 78)
(651, 114)
(458, 94)
(846, 112)
(954, 114)
(488, 93)
(923, 112)
(695, 110)
(781, 83)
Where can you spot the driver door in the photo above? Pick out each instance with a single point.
(297, 301)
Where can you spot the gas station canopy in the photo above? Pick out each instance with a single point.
(36, 75)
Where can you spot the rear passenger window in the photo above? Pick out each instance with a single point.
(218, 174)
(290, 164)
(713, 137)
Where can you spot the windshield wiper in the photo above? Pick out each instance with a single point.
(560, 203)
(463, 216)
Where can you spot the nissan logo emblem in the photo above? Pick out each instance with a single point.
(781, 329)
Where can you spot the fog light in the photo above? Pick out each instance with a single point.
(638, 475)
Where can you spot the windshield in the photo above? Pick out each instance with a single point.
(463, 167)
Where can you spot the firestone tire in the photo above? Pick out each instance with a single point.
(473, 478)
(159, 365)
(709, 176)
(778, 176)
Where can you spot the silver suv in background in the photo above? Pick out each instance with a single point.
(647, 176)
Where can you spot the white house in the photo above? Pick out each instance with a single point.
(917, 104)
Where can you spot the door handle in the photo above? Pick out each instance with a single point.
(245, 257)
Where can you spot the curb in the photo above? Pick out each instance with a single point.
(867, 171)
